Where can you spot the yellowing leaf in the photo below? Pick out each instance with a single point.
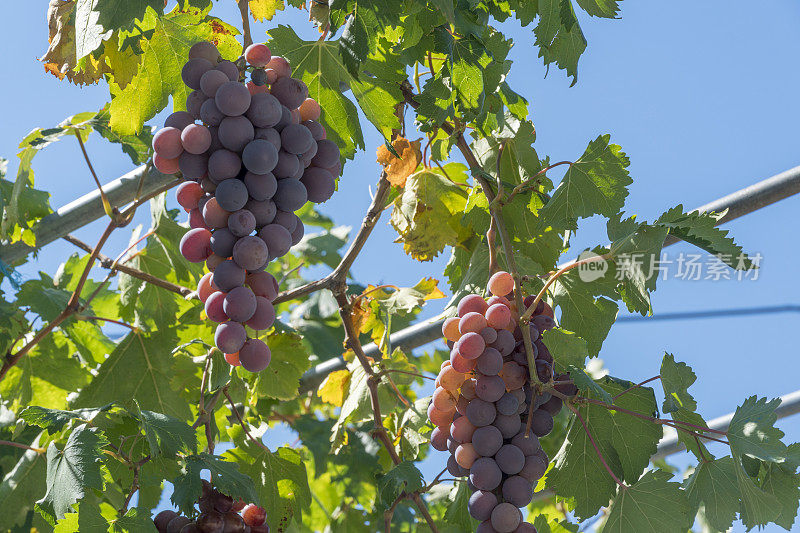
(60, 58)
(334, 389)
(265, 9)
(399, 169)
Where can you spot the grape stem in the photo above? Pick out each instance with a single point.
(596, 449)
(241, 422)
(534, 180)
(110, 210)
(645, 382)
(22, 446)
(390, 370)
(246, 37)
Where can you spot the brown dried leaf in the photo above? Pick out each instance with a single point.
(398, 169)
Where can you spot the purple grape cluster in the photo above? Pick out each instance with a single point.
(257, 156)
(482, 402)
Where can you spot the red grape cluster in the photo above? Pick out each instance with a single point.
(219, 513)
(482, 402)
(257, 157)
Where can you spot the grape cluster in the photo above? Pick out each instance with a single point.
(482, 402)
(257, 157)
(219, 513)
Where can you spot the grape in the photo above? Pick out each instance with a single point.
(214, 261)
(517, 491)
(440, 418)
(443, 399)
(544, 370)
(487, 440)
(211, 115)
(461, 405)
(480, 412)
(510, 459)
(176, 524)
(450, 329)
(568, 389)
(485, 474)
(523, 527)
(222, 241)
(480, 504)
(193, 70)
(489, 388)
(462, 430)
(290, 92)
(286, 118)
(255, 355)
(260, 156)
(309, 109)
(465, 455)
(264, 111)
(489, 335)
(223, 164)
(235, 132)
(327, 156)
(336, 169)
(297, 233)
(509, 425)
(250, 253)
(206, 50)
(163, 518)
(307, 156)
(232, 98)
(264, 211)
(485, 527)
(316, 129)
(513, 375)
(193, 166)
(208, 186)
(291, 195)
(240, 304)
(471, 323)
(541, 422)
(188, 194)
(451, 379)
(528, 444)
(194, 102)
(167, 143)
(506, 518)
(300, 170)
(269, 134)
(230, 337)
(277, 238)
(543, 322)
(264, 315)
(286, 219)
(296, 139)
(228, 275)
(287, 165)
(553, 405)
(498, 315)
(257, 55)
(459, 363)
(215, 144)
(470, 345)
(471, 303)
(263, 284)
(229, 68)
(253, 515)
(534, 468)
(213, 215)
(507, 405)
(211, 81)
(280, 65)
(490, 362)
(454, 468)
(259, 79)
(222, 502)
(451, 446)
(241, 223)
(195, 245)
(205, 287)
(501, 283)
(231, 194)
(179, 119)
(468, 389)
(211, 522)
(439, 439)
(542, 353)
(196, 139)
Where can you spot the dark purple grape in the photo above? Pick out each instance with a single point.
(439, 439)
(553, 405)
(194, 102)
(534, 468)
(485, 527)
(529, 445)
(211, 522)
(250, 253)
(163, 518)
(260, 156)
(504, 343)
(235, 132)
(287, 165)
(223, 164)
(264, 211)
(277, 238)
(485, 474)
(269, 134)
(261, 186)
(489, 388)
(489, 335)
(290, 92)
(319, 184)
(307, 156)
(300, 170)
(507, 405)
(454, 468)
(296, 139)
(316, 129)
(195, 138)
(264, 316)
(543, 322)
(297, 234)
(233, 523)
(206, 50)
(259, 77)
(179, 119)
(544, 370)
(231, 194)
(452, 445)
(228, 275)
(255, 355)
(291, 195)
(176, 524)
(265, 110)
(241, 222)
(286, 118)
(481, 504)
(211, 81)
(193, 166)
(229, 68)
(193, 70)
(327, 154)
(211, 115)
(230, 337)
(542, 423)
(523, 527)
(510, 459)
(222, 241)
(240, 305)
(487, 440)
(232, 98)
(490, 362)
(286, 219)
(506, 518)
(517, 491)
(509, 425)
(191, 527)
(480, 412)
(215, 144)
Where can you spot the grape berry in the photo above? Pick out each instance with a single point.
(219, 513)
(257, 157)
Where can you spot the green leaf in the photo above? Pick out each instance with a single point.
(783, 486)
(88, 33)
(587, 384)
(652, 504)
(137, 147)
(121, 14)
(595, 184)
(323, 247)
(228, 479)
(134, 521)
(600, 8)
(22, 485)
(559, 36)
(758, 508)
(71, 471)
(676, 378)
(290, 360)
(280, 480)
(466, 72)
(87, 518)
(12, 324)
(457, 513)
(166, 435)
(567, 348)
(588, 316)
(713, 484)
(752, 431)
(403, 477)
(54, 420)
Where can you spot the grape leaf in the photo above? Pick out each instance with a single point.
(752, 430)
(290, 359)
(676, 378)
(403, 477)
(88, 33)
(542, 525)
(121, 14)
(228, 479)
(265, 9)
(567, 348)
(600, 8)
(22, 485)
(54, 420)
(71, 471)
(87, 518)
(588, 316)
(652, 504)
(559, 36)
(134, 521)
(783, 486)
(165, 434)
(587, 384)
(713, 484)
(12, 324)
(758, 507)
(457, 513)
(137, 147)
(594, 184)
(334, 387)
(59, 59)
(281, 482)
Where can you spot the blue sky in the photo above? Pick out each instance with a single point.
(698, 94)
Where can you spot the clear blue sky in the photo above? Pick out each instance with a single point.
(699, 95)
